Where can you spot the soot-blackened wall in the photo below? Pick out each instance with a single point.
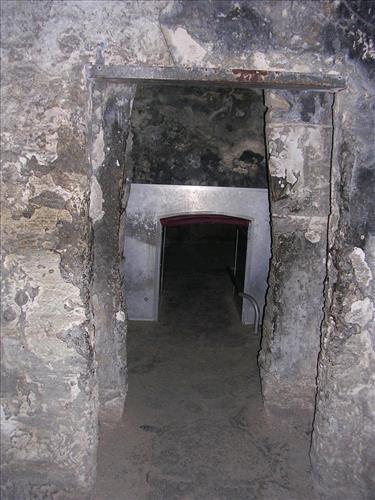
(198, 136)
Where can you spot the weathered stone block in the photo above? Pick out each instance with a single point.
(112, 106)
(291, 328)
(303, 107)
(343, 441)
(299, 169)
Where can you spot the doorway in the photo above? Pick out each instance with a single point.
(202, 246)
(298, 151)
(149, 204)
(194, 425)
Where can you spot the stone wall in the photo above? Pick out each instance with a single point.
(344, 439)
(299, 140)
(49, 390)
(49, 385)
(109, 122)
(198, 136)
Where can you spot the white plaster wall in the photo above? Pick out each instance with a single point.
(148, 203)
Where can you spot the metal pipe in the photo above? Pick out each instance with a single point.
(235, 254)
(164, 233)
(255, 305)
(250, 298)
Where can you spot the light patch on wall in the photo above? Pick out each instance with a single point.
(314, 231)
(286, 153)
(97, 155)
(276, 101)
(361, 269)
(43, 140)
(38, 185)
(8, 425)
(120, 316)
(41, 328)
(185, 49)
(96, 201)
(259, 61)
(113, 409)
(361, 312)
(74, 388)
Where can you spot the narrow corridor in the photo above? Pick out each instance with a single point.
(194, 426)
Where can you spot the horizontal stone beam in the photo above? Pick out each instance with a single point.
(215, 76)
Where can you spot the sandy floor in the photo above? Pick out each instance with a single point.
(194, 426)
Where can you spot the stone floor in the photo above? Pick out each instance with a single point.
(194, 426)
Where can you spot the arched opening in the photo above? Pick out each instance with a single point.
(198, 249)
(182, 220)
(152, 207)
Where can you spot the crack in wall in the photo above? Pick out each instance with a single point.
(326, 289)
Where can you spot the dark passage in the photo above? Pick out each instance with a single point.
(194, 252)
(194, 426)
(198, 248)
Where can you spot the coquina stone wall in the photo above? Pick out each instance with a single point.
(343, 439)
(299, 143)
(109, 121)
(51, 268)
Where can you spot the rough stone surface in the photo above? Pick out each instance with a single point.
(49, 388)
(198, 136)
(111, 109)
(48, 328)
(293, 315)
(298, 134)
(346, 396)
(299, 137)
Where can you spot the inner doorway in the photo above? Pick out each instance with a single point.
(150, 204)
(202, 246)
(195, 150)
